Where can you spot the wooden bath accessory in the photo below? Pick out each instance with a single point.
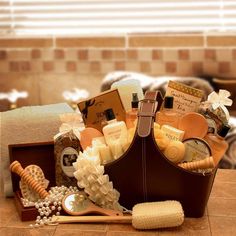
(201, 164)
(17, 168)
(77, 204)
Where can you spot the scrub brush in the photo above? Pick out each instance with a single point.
(149, 215)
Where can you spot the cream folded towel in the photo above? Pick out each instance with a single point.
(27, 125)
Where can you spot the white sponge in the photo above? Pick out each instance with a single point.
(153, 215)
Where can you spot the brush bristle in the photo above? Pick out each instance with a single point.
(153, 215)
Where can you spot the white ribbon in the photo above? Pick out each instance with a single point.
(67, 127)
(220, 100)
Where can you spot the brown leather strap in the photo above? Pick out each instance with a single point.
(148, 107)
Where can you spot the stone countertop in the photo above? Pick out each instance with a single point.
(219, 218)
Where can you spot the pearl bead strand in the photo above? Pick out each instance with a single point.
(51, 205)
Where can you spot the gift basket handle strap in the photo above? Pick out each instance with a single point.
(148, 107)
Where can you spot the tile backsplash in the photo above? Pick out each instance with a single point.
(192, 61)
(152, 54)
(79, 60)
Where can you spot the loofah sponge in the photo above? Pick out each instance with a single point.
(153, 215)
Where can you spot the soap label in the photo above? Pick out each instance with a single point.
(195, 150)
(172, 133)
(68, 157)
(186, 99)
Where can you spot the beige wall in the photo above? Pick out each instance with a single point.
(47, 66)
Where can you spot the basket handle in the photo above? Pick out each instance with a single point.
(148, 107)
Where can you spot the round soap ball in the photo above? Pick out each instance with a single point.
(162, 143)
(87, 136)
(175, 151)
(159, 134)
(194, 125)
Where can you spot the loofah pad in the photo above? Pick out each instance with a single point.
(38, 175)
(153, 215)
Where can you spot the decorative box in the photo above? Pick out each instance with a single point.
(41, 154)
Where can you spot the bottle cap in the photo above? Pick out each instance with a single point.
(109, 114)
(135, 101)
(224, 130)
(168, 103)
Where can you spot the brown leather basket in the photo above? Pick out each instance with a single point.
(144, 174)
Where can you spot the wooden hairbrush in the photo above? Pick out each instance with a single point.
(25, 176)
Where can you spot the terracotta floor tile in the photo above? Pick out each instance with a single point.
(225, 207)
(138, 233)
(121, 227)
(225, 226)
(68, 232)
(191, 226)
(226, 176)
(26, 232)
(83, 227)
(224, 190)
(93, 233)
(15, 222)
(6, 213)
(78, 232)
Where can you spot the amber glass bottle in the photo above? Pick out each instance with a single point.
(217, 143)
(167, 116)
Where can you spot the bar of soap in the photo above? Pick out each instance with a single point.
(175, 151)
(116, 149)
(105, 154)
(172, 133)
(161, 140)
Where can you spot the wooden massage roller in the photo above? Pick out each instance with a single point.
(25, 176)
(201, 164)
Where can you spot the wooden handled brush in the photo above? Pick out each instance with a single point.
(17, 168)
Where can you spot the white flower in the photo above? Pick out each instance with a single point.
(220, 100)
(75, 94)
(14, 95)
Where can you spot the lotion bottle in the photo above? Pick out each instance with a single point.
(131, 115)
(167, 116)
(217, 143)
(115, 130)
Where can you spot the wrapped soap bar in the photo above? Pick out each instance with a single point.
(66, 149)
(215, 111)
